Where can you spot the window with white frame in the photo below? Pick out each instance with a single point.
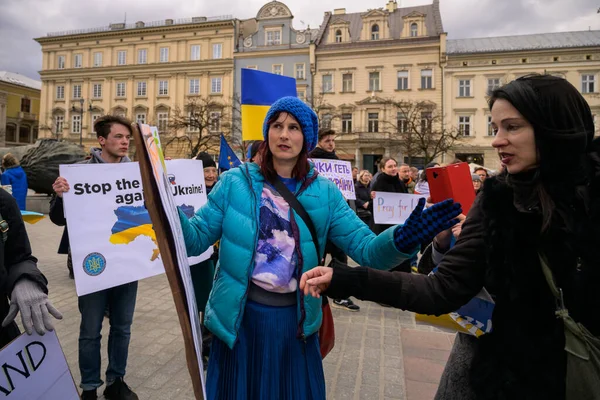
(426, 121)
(142, 56)
(216, 85)
(464, 88)
(195, 52)
(326, 121)
(373, 81)
(61, 62)
(375, 32)
(254, 67)
(194, 86)
(122, 57)
(141, 89)
(60, 92)
(347, 123)
(273, 37)
(401, 122)
(464, 125)
(402, 80)
(193, 122)
(492, 84)
(414, 30)
(588, 83)
(121, 89)
(78, 61)
(217, 50)
(277, 69)
(95, 116)
(490, 127)
(163, 121)
(97, 91)
(214, 121)
(300, 71)
(140, 118)
(59, 121)
(338, 36)
(327, 83)
(164, 55)
(98, 59)
(163, 88)
(76, 91)
(301, 94)
(347, 85)
(373, 122)
(426, 79)
(76, 123)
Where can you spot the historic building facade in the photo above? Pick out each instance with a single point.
(143, 71)
(19, 109)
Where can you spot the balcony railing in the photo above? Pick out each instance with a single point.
(28, 116)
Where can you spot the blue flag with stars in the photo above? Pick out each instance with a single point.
(227, 158)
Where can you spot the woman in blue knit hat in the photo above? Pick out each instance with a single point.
(266, 344)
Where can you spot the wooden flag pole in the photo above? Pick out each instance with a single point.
(166, 245)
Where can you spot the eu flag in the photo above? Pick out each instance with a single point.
(227, 158)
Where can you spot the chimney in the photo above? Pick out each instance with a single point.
(339, 11)
(391, 6)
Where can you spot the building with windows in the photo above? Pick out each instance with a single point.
(270, 43)
(476, 67)
(363, 62)
(19, 109)
(143, 71)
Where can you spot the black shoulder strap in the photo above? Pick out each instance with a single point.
(295, 204)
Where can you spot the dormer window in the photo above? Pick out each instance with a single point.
(375, 32)
(338, 36)
(414, 29)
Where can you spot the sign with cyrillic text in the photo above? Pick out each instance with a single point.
(339, 172)
(393, 208)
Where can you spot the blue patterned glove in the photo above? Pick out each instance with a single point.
(422, 226)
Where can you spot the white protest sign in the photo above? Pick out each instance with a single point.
(339, 172)
(393, 208)
(110, 232)
(34, 368)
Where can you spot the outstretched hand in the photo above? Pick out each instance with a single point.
(422, 225)
(316, 281)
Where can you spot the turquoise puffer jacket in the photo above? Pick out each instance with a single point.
(232, 215)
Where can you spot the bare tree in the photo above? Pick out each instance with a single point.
(51, 125)
(421, 131)
(325, 112)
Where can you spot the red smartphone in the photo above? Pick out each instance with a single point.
(452, 182)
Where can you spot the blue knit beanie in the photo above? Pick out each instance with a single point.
(305, 116)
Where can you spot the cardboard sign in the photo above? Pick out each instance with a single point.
(111, 235)
(394, 208)
(339, 172)
(34, 368)
(452, 182)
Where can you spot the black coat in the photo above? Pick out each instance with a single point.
(16, 261)
(390, 184)
(523, 357)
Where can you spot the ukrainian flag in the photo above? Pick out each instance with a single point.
(259, 91)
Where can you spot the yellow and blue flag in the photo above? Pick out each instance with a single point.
(259, 91)
(227, 158)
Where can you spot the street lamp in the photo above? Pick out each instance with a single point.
(81, 102)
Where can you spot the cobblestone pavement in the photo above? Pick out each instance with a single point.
(380, 353)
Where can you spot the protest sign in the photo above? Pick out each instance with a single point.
(111, 235)
(339, 172)
(162, 209)
(393, 208)
(35, 368)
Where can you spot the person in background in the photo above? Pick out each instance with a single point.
(15, 176)
(422, 186)
(253, 154)
(482, 172)
(355, 174)
(211, 174)
(364, 204)
(388, 182)
(476, 182)
(404, 174)
(414, 174)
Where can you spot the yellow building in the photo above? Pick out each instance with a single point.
(362, 61)
(19, 109)
(144, 71)
(477, 66)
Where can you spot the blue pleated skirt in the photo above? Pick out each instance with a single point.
(268, 361)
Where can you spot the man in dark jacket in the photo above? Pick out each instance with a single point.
(326, 150)
(114, 134)
(20, 279)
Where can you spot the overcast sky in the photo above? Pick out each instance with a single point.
(23, 20)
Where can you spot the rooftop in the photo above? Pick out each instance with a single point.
(541, 41)
(21, 80)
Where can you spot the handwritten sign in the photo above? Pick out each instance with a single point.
(393, 208)
(340, 173)
(34, 367)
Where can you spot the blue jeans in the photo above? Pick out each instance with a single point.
(120, 302)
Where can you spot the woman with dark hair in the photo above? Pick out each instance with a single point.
(546, 202)
(265, 344)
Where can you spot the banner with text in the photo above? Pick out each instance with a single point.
(111, 235)
(35, 368)
(393, 208)
(339, 172)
